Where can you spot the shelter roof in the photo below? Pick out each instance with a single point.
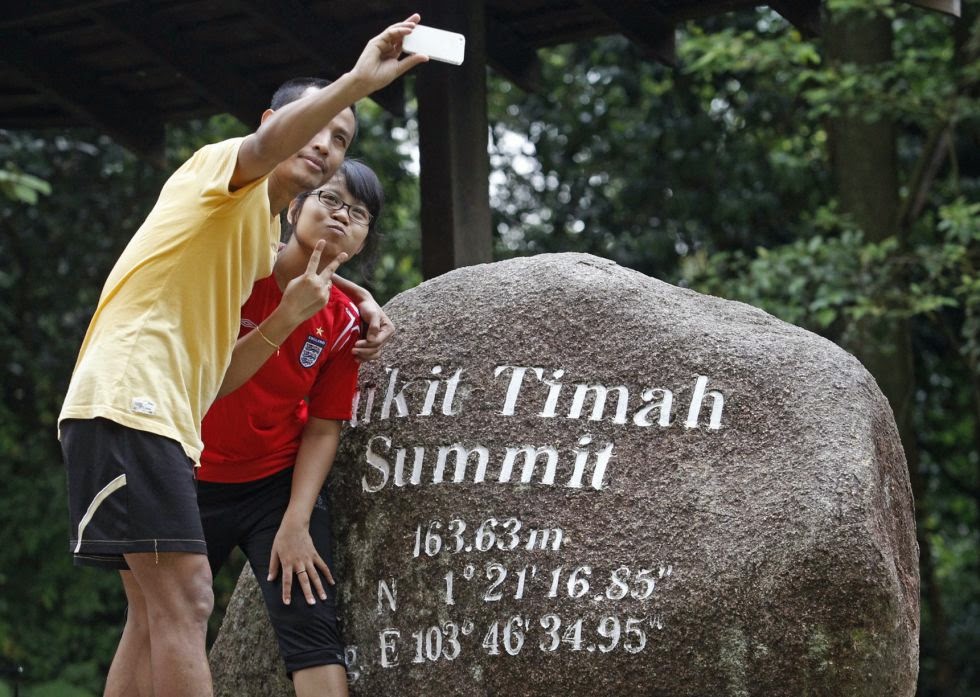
(128, 67)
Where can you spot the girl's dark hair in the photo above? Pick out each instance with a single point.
(364, 185)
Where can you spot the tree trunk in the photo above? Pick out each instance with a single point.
(864, 159)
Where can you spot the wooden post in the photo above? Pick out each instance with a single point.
(455, 167)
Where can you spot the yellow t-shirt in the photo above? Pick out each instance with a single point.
(168, 318)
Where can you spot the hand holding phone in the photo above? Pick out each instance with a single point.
(437, 44)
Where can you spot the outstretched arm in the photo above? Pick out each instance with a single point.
(284, 132)
(293, 551)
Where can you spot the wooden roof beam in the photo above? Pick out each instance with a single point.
(710, 8)
(132, 124)
(16, 14)
(511, 57)
(802, 14)
(642, 24)
(204, 73)
(950, 7)
(294, 23)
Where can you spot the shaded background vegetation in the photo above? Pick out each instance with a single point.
(835, 187)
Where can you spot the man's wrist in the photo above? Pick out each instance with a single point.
(365, 299)
(353, 87)
(358, 294)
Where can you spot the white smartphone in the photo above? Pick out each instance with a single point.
(437, 44)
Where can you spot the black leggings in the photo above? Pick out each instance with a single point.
(248, 515)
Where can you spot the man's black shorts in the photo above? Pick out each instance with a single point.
(248, 515)
(128, 491)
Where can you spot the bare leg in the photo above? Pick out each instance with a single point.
(321, 681)
(176, 589)
(130, 672)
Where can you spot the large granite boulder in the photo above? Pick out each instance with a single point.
(567, 477)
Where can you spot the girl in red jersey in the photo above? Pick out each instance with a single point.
(271, 437)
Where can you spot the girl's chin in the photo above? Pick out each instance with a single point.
(330, 249)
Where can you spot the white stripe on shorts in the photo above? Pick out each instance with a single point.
(108, 489)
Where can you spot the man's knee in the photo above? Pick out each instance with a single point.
(177, 590)
(200, 595)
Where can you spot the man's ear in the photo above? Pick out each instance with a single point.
(266, 114)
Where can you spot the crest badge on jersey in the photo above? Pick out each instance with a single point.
(311, 351)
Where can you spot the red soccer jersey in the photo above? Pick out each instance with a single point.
(255, 431)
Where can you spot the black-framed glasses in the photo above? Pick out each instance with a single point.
(333, 202)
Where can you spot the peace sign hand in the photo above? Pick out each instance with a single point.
(308, 293)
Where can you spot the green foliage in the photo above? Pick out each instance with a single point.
(53, 619)
(861, 8)
(916, 88)
(633, 161)
(835, 278)
(19, 186)
(59, 688)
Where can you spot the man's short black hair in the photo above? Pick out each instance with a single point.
(293, 89)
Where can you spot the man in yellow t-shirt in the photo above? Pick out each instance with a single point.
(156, 351)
